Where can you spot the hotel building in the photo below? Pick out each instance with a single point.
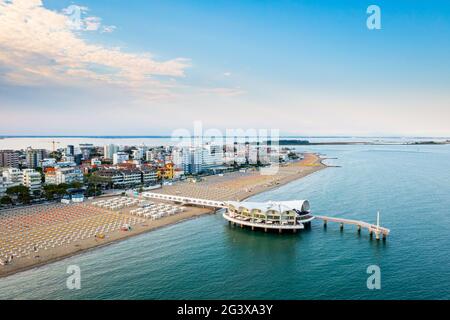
(70, 150)
(86, 150)
(127, 178)
(13, 177)
(32, 180)
(58, 175)
(34, 157)
(120, 157)
(9, 158)
(109, 150)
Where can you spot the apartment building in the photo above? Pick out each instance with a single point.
(32, 180)
(9, 158)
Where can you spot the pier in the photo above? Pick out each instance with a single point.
(372, 228)
(185, 200)
(256, 217)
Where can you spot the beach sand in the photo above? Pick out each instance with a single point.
(232, 186)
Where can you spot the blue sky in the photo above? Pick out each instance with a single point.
(149, 67)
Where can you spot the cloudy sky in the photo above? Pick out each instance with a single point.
(149, 67)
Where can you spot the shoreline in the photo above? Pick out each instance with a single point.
(311, 164)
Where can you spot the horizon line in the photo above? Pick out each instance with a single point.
(170, 136)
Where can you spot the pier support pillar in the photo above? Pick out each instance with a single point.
(371, 234)
(242, 225)
(280, 230)
(265, 229)
(253, 228)
(294, 230)
(342, 226)
(377, 235)
(359, 229)
(384, 236)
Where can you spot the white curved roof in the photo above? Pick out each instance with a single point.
(280, 206)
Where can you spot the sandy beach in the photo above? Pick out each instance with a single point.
(232, 186)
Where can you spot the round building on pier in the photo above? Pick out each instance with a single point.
(280, 215)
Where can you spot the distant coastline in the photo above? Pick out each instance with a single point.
(308, 143)
(170, 136)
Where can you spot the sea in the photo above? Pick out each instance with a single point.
(205, 258)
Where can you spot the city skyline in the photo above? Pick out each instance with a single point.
(148, 68)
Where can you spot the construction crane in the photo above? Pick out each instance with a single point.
(53, 144)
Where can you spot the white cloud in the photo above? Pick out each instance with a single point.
(227, 74)
(38, 47)
(108, 29)
(92, 23)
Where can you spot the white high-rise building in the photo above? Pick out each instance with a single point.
(34, 157)
(193, 159)
(64, 175)
(149, 155)
(138, 154)
(212, 156)
(177, 158)
(109, 150)
(120, 157)
(32, 179)
(13, 177)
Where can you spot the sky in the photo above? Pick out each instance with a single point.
(150, 67)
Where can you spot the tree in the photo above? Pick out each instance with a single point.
(56, 155)
(61, 189)
(24, 198)
(93, 190)
(50, 190)
(17, 190)
(96, 180)
(39, 169)
(76, 185)
(21, 193)
(6, 200)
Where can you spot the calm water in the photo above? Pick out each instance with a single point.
(204, 258)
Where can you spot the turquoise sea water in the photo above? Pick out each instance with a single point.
(205, 258)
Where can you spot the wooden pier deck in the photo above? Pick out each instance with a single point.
(372, 228)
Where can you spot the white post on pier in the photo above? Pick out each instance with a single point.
(377, 233)
(378, 219)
